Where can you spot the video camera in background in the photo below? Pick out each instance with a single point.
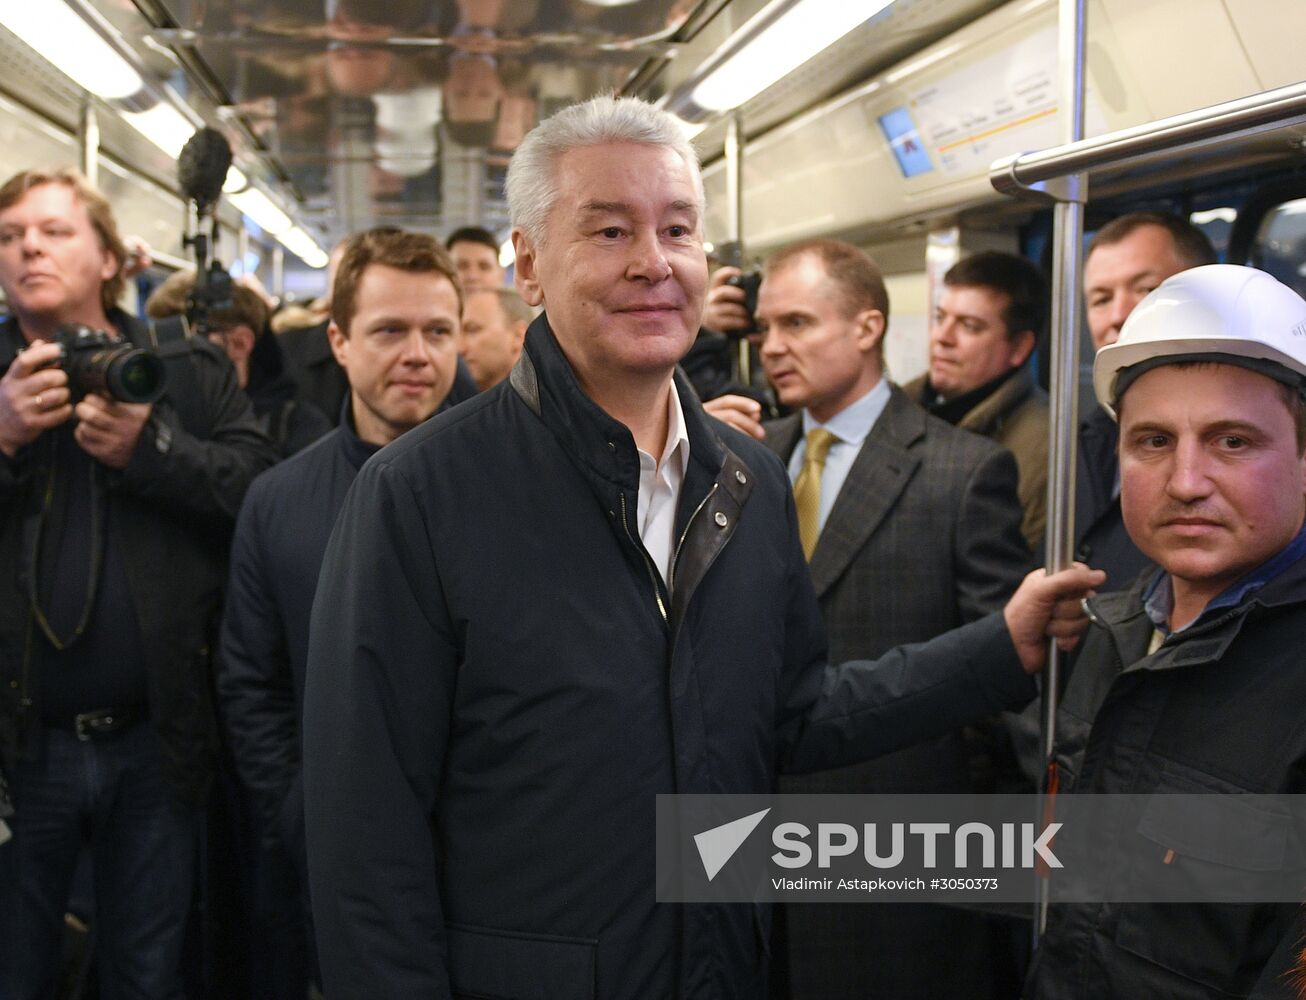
(201, 172)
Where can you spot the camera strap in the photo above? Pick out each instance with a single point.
(40, 564)
(171, 340)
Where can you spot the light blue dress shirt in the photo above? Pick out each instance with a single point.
(850, 425)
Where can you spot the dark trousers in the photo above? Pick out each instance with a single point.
(109, 795)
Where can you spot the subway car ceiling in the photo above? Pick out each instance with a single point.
(350, 113)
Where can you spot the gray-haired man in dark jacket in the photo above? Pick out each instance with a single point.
(570, 594)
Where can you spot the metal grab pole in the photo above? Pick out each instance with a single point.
(88, 141)
(734, 153)
(1246, 116)
(1068, 234)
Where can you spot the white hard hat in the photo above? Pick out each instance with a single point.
(1217, 312)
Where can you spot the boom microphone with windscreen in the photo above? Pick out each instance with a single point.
(201, 171)
(202, 168)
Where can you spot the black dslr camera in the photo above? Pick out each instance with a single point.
(98, 362)
(750, 282)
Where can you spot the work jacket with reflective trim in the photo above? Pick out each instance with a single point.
(1219, 707)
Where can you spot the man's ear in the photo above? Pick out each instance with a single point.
(525, 274)
(870, 330)
(240, 342)
(339, 344)
(1022, 346)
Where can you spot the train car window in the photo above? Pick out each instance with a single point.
(1280, 244)
(1217, 225)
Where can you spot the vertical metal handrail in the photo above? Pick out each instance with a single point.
(88, 140)
(734, 155)
(1068, 234)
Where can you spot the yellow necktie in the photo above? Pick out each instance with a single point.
(807, 487)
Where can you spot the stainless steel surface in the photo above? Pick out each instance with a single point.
(406, 112)
(1220, 123)
(735, 215)
(88, 142)
(1067, 267)
(734, 180)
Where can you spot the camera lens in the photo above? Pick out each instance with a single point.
(136, 377)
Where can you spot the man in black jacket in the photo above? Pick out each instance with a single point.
(565, 596)
(239, 327)
(395, 330)
(114, 524)
(1190, 681)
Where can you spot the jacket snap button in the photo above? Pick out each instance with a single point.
(740, 477)
(721, 520)
(612, 446)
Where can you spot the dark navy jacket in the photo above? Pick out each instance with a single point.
(499, 685)
(275, 557)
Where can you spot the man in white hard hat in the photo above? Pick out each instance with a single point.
(1127, 258)
(1191, 680)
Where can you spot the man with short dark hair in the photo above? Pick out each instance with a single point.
(545, 607)
(313, 361)
(1126, 259)
(113, 531)
(494, 327)
(476, 252)
(1190, 680)
(239, 328)
(394, 328)
(985, 328)
(914, 530)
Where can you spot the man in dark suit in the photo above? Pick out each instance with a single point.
(914, 530)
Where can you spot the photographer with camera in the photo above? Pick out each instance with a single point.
(237, 324)
(722, 363)
(115, 517)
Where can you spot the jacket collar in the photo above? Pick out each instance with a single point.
(986, 418)
(544, 379)
(355, 449)
(716, 486)
(1121, 614)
